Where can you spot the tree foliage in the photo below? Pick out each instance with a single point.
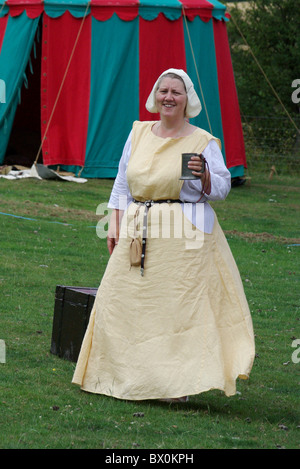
(268, 31)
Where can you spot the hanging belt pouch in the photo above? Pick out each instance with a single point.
(135, 252)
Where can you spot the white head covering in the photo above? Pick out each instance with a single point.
(193, 107)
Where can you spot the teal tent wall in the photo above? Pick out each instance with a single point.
(15, 52)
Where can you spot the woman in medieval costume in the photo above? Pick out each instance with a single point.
(170, 318)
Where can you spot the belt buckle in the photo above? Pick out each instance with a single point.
(149, 203)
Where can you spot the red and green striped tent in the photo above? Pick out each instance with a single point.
(98, 62)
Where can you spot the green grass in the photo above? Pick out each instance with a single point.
(40, 408)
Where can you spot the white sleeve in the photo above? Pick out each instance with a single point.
(120, 195)
(219, 175)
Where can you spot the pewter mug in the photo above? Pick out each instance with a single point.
(186, 173)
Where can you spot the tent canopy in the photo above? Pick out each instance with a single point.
(99, 60)
(125, 9)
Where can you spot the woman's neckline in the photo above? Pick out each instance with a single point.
(171, 138)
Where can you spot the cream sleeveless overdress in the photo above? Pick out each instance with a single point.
(182, 328)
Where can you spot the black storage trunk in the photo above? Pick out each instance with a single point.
(72, 310)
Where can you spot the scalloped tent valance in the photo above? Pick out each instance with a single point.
(95, 65)
(126, 10)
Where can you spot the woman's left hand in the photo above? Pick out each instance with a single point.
(196, 165)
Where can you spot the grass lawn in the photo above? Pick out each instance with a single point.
(51, 240)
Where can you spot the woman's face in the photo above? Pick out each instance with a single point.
(171, 98)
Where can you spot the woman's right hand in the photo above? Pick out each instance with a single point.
(114, 229)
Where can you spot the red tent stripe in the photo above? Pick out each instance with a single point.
(34, 8)
(105, 12)
(125, 9)
(161, 44)
(3, 24)
(193, 8)
(232, 127)
(197, 4)
(62, 86)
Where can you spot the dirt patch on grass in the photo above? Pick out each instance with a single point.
(278, 185)
(263, 237)
(40, 210)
